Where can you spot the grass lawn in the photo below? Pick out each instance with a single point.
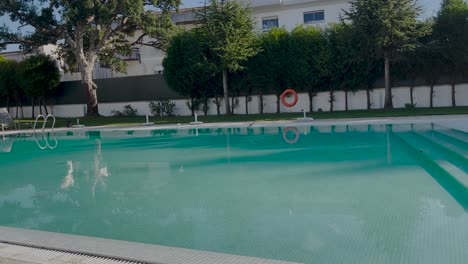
(137, 120)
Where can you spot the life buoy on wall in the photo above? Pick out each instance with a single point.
(286, 93)
(296, 133)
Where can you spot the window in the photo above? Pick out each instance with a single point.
(314, 17)
(133, 56)
(269, 23)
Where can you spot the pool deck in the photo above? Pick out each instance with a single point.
(40, 247)
(459, 122)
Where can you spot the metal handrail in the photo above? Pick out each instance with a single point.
(45, 122)
(47, 144)
(35, 123)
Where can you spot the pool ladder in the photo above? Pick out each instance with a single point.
(47, 145)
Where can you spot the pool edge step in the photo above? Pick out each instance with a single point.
(450, 183)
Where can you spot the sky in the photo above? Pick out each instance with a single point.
(429, 8)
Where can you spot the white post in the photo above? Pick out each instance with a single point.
(147, 119)
(196, 122)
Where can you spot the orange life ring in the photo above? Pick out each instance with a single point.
(296, 133)
(287, 92)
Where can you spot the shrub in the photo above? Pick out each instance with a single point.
(128, 110)
(410, 106)
(160, 107)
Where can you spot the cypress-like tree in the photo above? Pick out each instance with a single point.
(227, 26)
(391, 26)
(451, 34)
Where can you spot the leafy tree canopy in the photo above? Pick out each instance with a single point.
(86, 30)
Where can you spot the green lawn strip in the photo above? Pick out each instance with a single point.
(138, 120)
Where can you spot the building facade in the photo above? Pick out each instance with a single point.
(267, 14)
(291, 13)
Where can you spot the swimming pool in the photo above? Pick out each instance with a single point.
(324, 194)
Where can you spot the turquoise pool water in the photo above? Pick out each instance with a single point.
(343, 194)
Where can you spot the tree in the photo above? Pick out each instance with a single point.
(186, 68)
(41, 78)
(227, 26)
(87, 31)
(391, 25)
(410, 68)
(331, 66)
(3, 87)
(451, 35)
(10, 83)
(365, 59)
(309, 42)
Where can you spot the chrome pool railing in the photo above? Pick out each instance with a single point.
(47, 144)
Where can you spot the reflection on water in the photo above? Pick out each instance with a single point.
(68, 180)
(350, 191)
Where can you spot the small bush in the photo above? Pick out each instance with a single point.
(410, 106)
(128, 110)
(160, 107)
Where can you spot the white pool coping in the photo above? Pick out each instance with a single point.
(459, 122)
(121, 250)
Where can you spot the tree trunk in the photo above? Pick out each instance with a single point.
(226, 93)
(454, 103)
(90, 87)
(22, 110)
(45, 106)
(246, 104)
(411, 95)
(332, 99)
(39, 103)
(388, 89)
(431, 98)
(346, 100)
(32, 106)
(368, 98)
(278, 107)
(260, 97)
(311, 101)
(233, 105)
(218, 103)
(191, 107)
(205, 109)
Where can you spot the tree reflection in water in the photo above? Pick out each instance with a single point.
(100, 171)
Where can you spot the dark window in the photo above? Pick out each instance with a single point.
(314, 17)
(269, 23)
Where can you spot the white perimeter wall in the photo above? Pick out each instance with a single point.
(356, 101)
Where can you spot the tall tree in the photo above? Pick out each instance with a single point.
(391, 25)
(86, 31)
(227, 26)
(41, 78)
(10, 83)
(308, 42)
(451, 34)
(186, 68)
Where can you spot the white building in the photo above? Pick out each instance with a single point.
(291, 13)
(267, 13)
